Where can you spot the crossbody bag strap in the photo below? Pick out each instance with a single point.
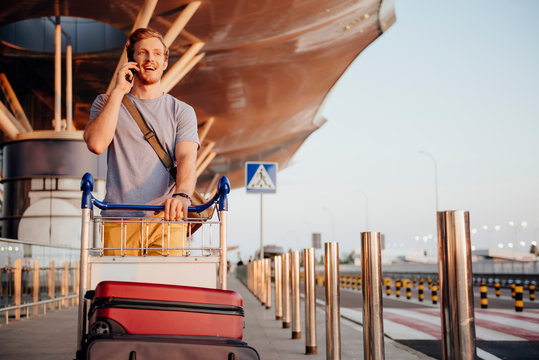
(149, 135)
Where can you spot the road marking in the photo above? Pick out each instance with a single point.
(485, 355)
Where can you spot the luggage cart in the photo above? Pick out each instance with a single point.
(196, 266)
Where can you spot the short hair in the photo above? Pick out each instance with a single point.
(141, 34)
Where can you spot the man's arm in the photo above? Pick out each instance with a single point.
(100, 131)
(186, 155)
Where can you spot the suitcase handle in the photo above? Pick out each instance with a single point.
(88, 200)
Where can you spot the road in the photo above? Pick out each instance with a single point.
(501, 332)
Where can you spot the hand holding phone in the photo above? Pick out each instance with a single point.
(130, 78)
(127, 77)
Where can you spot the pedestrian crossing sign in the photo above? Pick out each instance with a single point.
(261, 177)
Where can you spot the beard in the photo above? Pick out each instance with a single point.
(150, 77)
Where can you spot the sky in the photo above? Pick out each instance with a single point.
(458, 80)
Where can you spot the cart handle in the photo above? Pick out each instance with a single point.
(88, 200)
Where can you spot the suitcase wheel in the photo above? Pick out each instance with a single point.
(99, 328)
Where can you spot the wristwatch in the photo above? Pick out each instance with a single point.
(183, 195)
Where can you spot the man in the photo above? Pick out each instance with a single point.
(135, 173)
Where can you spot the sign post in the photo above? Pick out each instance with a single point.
(261, 178)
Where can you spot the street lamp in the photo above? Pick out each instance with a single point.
(435, 175)
(366, 209)
(489, 230)
(516, 229)
(332, 220)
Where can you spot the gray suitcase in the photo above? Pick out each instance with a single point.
(150, 347)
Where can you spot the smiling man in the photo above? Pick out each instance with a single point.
(135, 173)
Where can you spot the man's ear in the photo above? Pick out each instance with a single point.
(165, 65)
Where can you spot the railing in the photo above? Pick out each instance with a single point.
(35, 277)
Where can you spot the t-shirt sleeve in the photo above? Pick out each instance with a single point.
(186, 125)
(98, 105)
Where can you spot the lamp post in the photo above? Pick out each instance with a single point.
(516, 228)
(435, 175)
(332, 221)
(489, 230)
(366, 209)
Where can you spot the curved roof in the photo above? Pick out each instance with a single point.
(268, 66)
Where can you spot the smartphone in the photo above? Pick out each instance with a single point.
(127, 77)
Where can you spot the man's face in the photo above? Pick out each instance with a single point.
(149, 54)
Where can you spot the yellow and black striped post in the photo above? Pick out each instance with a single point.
(434, 289)
(497, 288)
(519, 298)
(484, 299)
(358, 283)
(388, 286)
(408, 289)
(531, 288)
(429, 282)
(398, 285)
(414, 281)
(420, 294)
(320, 279)
(513, 290)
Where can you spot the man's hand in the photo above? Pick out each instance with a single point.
(125, 77)
(176, 208)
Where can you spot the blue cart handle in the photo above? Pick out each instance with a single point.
(88, 200)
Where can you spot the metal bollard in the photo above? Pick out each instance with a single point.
(455, 269)
(333, 312)
(429, 282)
(285, 272)
(36, 286)
(497, 288)
(420, 294)
(398, 285)
(371, 276)
(278, 288)
(262, 272)
(408, 289)
(513, 290)
(483, 290)
(415, 281)
(252, 266)
(267, 263)
(310, 304)
(296, 301)
(255, 278)
(17, 285)
(519, 297)
(531, 288)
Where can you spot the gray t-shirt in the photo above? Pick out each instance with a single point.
(135, 174)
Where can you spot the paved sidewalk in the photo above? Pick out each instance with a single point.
(268, 337)
(47, 337)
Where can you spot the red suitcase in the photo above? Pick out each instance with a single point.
(120, 307)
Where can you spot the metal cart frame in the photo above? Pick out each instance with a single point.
(95, 267)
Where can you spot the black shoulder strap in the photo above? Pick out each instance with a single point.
(149, 135)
